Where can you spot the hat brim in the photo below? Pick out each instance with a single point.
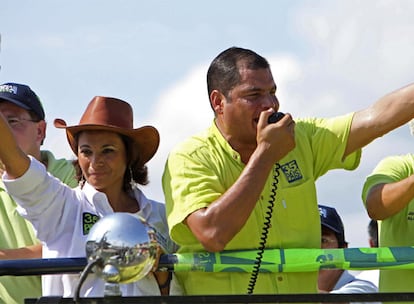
(331, 228)
(146, 139)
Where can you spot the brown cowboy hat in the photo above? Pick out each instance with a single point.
(112, 114)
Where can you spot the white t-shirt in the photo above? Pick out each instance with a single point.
(349, 283)
(369, 275)
(62, 218)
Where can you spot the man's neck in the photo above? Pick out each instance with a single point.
(43, 159)
(328, 278)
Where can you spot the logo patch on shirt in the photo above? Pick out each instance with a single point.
(291, 171)
(410, 216)
(88, 219)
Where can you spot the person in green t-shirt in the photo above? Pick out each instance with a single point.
(245, 183)
(25, 114)
(388, 196)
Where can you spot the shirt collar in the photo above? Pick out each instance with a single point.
(145, 207)
(100, 200)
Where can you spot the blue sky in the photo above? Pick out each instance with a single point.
(328, 58)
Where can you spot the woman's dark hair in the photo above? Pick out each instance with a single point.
(139, 171)
(223, 73)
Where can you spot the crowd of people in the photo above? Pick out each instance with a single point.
(243, 183)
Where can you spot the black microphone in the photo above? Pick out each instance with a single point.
(275, 117)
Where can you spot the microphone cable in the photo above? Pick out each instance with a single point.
(265, 231)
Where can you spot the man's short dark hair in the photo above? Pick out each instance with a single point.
(223, 73)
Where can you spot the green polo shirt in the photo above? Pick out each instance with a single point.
(397, 230)
(202, 168)
(16, 232)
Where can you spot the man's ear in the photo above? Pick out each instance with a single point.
(217, 100)
(41, 131)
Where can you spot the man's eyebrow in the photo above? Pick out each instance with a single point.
(252, 89)
(257, 89)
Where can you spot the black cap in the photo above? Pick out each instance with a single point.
(21, 95)
(331, 220)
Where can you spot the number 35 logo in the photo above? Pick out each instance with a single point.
(88, 220)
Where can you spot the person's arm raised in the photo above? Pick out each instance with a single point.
(14, 160)
(217, 224)
(388, 113)
(385, 200)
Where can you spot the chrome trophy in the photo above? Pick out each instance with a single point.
(125, 247)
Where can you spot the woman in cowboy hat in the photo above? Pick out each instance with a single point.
(111, 158)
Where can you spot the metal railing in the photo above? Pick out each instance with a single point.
(227, 299)
(277, 260)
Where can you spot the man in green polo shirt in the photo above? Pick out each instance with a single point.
(388, 196)
(25, 115)
(220, 185)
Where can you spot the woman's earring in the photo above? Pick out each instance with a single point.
(131, 181)
(81, 181)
